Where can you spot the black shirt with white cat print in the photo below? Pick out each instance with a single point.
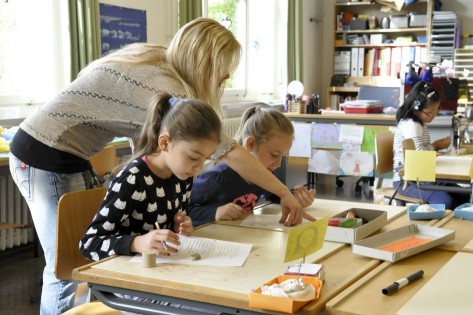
(135, 201)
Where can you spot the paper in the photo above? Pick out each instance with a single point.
(325, 136)
(471, 170)
(420, 165)
(324, 162)
(269, 221)
(405, 244)
(369, 139)
(301, 144)
(212, 252)
(356, 164)
(351, 134)
(306, 239)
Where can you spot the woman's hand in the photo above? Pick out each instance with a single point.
(230, 212)
(156, 241)
(304, 195)
(183, 224)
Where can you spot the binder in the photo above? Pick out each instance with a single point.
(354, 62)
(361, 61)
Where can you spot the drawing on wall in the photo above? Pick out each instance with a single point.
(120, 26)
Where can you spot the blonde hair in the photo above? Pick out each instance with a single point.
(201, 54)
(263, 124)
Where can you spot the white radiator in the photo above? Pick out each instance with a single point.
(13, 209)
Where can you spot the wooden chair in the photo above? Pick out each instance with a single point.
(75, 211)
(384, 165)
(104, 162)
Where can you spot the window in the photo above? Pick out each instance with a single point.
(32, 63)
(261, 28)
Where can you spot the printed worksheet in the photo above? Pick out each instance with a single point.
(212, 252)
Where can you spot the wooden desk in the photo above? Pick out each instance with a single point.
(365, 297)
(456, 168)
(226, 288)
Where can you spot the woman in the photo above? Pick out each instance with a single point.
(51, 150)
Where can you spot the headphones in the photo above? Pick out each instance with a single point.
(427, 75)
(411, 77)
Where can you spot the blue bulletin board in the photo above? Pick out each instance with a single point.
(120, 26)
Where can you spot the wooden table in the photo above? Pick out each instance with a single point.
(226, 289)
(368, 288)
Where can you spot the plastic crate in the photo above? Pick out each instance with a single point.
(399, 21)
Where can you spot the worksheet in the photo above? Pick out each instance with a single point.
(212, 252)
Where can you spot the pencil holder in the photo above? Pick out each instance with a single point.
(297, 107)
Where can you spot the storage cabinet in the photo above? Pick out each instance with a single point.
(380, 44)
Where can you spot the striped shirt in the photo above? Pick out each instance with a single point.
(409, 129)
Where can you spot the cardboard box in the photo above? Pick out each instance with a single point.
(460, 213)
(307, 270)
(402, 242)
(281, 304)
(376, 219)
(439, 212)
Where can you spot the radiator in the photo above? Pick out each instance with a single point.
(13, 209)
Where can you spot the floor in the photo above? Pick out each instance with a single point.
(20, 271)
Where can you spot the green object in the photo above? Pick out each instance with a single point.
(348, 223)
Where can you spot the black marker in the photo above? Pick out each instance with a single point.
(402, 282)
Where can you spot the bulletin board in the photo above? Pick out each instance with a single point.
(120, 26)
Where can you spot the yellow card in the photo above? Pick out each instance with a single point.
(305, 239)
(420, 165)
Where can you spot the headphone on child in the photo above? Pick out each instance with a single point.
(411, 76)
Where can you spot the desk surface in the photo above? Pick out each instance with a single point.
(229, 286)
(453, 167)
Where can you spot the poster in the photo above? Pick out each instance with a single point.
(120, 26)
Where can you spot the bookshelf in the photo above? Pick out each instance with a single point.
(378, 53)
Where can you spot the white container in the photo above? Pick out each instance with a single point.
(371, 246)
(376, 219)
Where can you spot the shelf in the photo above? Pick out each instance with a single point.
(344, 89)
(385, 30)
(412, 44)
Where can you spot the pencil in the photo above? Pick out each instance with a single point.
(162, 242)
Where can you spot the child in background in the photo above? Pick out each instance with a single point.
(222, 194)
(155, 186)
(420, 108)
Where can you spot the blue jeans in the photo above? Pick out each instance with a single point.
(42, 190)
(451, 200)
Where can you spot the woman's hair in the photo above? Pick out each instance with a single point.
(201, 54)
(263, 123)
(422, 96)
(183, 119)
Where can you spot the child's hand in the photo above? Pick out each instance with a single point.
(442, 143)
(183, 224)
(155, 241)
(230, 212)
(304, 195)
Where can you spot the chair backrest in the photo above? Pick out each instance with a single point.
(104, 161)
(407, 144)
(75, 212)
(384, 152)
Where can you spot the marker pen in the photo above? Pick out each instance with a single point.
(402, 282)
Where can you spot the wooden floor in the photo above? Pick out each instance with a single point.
(20, 271)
